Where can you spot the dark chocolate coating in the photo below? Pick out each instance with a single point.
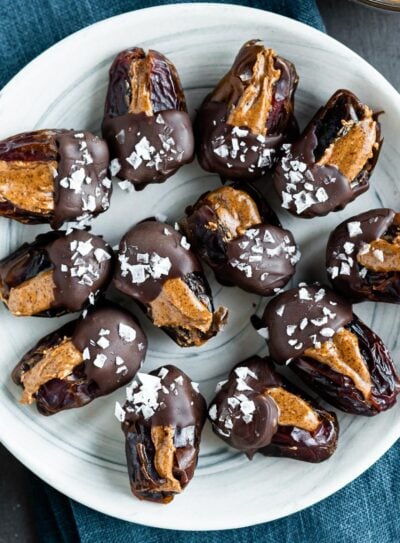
(88, 381)
(263, 433)
(163, 257)
(308, 189)
(343, 268)
(178, 407)
(260, 260)
(340, 391)
(148, 148)
(146, 238)
(314, 303)
(256, 154)
(80, 154)
(55, 251)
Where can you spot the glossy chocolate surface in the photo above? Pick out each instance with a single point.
(245, 416)
(237, 152)
(164, 402)
(303, 317)
(81, 188)
(307, 188)
(152, 257)
(258, 257)
(81, 264)
(108, 363)
(146, 145)
(353, 236)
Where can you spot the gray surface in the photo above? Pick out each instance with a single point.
(371, 33)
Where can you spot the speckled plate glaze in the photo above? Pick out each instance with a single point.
(81, 452)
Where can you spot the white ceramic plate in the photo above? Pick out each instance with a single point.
(81, 452)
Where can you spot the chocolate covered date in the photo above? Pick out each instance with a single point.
(159, 271)
(87, 358)
(146, 123)
(363, 257)
(162, 420)
(53, 176)
(331, 162)
(257, 410)
(55, 274)
(315, 331)
(240, 238)
(248, 115)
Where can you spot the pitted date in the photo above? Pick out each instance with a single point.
(157, 268)
(234, 230)
(55, 274)
(163, 435)
(363, 257)
(244, 120)
(257, 410)
(331, 162)
(146, 123)
(315, 332)
(85, 359)
(53, 176)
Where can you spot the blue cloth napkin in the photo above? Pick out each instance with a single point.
(366, 511)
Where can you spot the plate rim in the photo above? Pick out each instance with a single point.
(18, 449)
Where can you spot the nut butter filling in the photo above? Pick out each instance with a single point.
(177, 306)
(342, 354)
(57, 363)
(254, 105)
(380, 255)
(163, 440)
(353, 147)
(293, 411)
(32, 296)
(28, 185)
(139, 73)
(235, 209)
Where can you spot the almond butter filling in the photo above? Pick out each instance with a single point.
(140, 87)
(33, 296)
(177, 306)
(235, 210)
(342, 354)
(163, 440)
(255, 103)
(293, 411)
(28, 185)
(57, 363)
(353, 147)
(381, 255)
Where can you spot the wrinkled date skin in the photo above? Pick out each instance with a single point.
(363, 257)
(53, 176)
(146, 123)
(339, 390)
(237, 234)
(331, 162)
(56, 274)
(162, 443)
(257, 410)
(249, 114)
(68, 368)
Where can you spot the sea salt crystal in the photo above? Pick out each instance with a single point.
(354, 228)
(126, 333)
(100, 360)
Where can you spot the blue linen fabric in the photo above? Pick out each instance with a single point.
(366, 511)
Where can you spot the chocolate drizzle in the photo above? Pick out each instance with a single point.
(347, 275)
(308, 188)
(245, 414)
(301, 318)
